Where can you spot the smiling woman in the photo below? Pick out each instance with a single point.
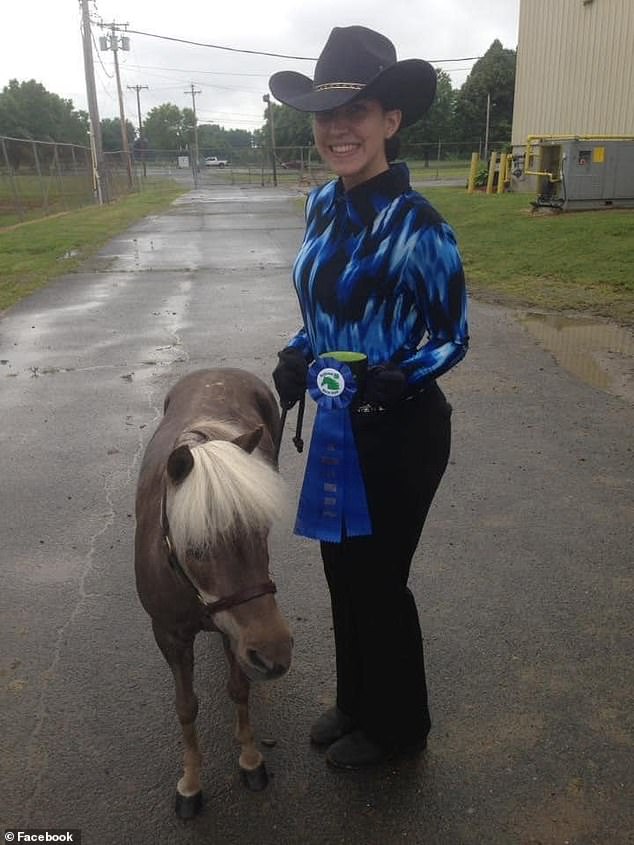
(352, 138)
(378, 276)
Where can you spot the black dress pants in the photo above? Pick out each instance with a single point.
(379, 648)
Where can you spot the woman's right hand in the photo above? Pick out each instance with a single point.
(290, 376)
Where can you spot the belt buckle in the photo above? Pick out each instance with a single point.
(369, 408)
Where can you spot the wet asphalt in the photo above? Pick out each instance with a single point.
(523, 577)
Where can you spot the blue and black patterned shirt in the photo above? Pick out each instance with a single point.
(379, 272)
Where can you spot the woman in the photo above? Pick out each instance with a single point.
(378, 273)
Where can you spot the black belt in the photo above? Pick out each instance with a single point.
(376, 408)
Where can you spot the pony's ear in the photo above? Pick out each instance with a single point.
(250, 440)
(180, 463)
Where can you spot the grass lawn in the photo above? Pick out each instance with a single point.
(33, 253)
(439, 170)
(568, 262)
(578, 261)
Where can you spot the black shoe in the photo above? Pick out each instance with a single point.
(356, 751)
(331, 726)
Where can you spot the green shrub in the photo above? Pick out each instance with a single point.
(482, 176)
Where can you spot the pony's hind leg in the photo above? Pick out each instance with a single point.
(180, 658)
(251, 761)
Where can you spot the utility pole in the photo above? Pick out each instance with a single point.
(193, 92)
(96, 147)
(486, 133)
(139, 88)
(267, 99)
(111, 42)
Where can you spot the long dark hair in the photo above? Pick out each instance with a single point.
(393, 144)
(392, 148)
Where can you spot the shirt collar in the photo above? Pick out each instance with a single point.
(365, 201)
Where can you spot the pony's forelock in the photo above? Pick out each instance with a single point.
(227, 490)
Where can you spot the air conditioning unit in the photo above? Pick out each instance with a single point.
(583, 173)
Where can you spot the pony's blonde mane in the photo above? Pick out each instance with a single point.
(228, 491)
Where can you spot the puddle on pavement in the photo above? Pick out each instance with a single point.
(599, 353)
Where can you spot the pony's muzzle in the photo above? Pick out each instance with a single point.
(268, 660)
(269, 670)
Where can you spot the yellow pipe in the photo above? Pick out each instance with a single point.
(502, 173)
(550, 175)
(492, 161)
(475, 159)
(579, 138)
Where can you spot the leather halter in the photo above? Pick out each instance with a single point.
(211, 607)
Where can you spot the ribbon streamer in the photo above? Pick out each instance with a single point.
(333, 502)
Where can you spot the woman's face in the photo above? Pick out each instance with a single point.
(351, 139)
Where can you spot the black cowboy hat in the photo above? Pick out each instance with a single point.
(359, 62)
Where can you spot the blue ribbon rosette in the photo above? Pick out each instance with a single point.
(333, 502)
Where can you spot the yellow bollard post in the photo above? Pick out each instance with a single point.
(473, 171)
(492, 161)
(501, 173)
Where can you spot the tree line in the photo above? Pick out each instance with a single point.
(28, 110)
(457, 116)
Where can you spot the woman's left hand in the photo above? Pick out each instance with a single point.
(384, 385)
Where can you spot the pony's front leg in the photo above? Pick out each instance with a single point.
(180, 657)
(251, 761)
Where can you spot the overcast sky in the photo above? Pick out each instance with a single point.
(41, 40)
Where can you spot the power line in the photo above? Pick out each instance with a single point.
(189, 71)
(205, 84)
(264, 52)
(220, 47)
(196, 70)
(463, 59)
(250, 75)
(103, 67)
(230, 113)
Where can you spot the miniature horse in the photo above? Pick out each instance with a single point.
(205, 503)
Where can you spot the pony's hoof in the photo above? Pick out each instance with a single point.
(255, 779)
(188, 806)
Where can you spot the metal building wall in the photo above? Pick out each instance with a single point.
(575, 69)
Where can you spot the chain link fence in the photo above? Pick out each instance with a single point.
(43, 177)
(303, 167)
(38, 178)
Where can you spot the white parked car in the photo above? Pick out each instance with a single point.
(212, 161)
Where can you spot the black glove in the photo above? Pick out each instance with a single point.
(290, 376)
(384, 385)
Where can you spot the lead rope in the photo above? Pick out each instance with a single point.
(297, 439)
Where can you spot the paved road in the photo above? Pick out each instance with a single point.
(523, 577)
